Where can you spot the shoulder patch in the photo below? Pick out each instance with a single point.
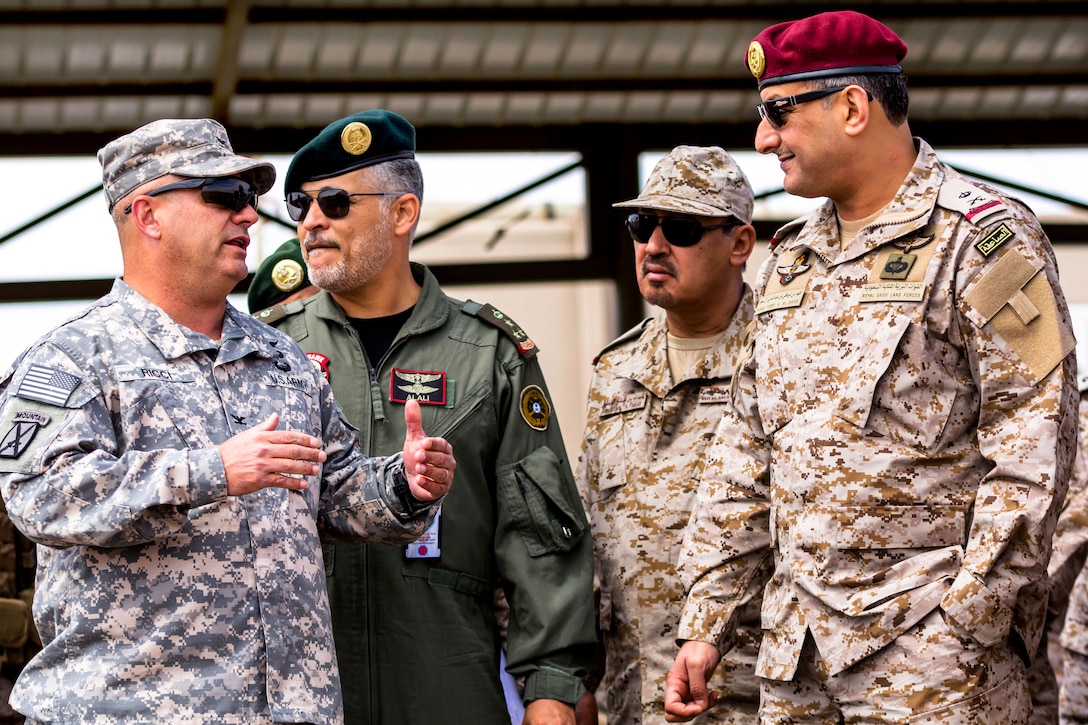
(526, 347)
(47, 385)
(534, 407)
(994, 240)
(633, 334)
(974, 202)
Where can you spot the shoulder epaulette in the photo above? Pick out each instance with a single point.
(275, 313)
(633, 334)
(787, 229)
(526, 347)
(978, 204)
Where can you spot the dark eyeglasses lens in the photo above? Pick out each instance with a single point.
(771, 113)
(298, 204)
(681, 232)
(334, 203)
(234, 194)
(678, 232)
(641, 227)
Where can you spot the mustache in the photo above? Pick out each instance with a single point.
(658, 261)
(314, 238)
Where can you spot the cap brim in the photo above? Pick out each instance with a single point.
(262, 173)
(678, 206)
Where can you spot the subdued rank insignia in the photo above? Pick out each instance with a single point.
(994, 240)
(320, 361)
(47, 385)
(535, 408)
(526, 347)
(429, 388)
(898, 266)
(24, 427)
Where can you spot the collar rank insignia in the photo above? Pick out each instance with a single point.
(791, 271)
(429, 388)
(535, 408)
(24, 426)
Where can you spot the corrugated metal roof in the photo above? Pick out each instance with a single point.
(102, 67)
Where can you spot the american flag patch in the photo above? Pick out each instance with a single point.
(47, 385)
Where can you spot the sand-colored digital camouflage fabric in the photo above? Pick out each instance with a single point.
(1068, 605)
(700, 180)
(642, 456)
(909, 412)
(160, 598)
(890, 686)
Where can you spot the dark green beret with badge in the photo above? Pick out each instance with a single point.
(360, 140)
(279, 276)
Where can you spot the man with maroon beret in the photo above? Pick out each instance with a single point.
(906, 409)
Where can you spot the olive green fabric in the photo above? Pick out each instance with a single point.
(417, 639)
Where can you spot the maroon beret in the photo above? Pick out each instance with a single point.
(829, 44)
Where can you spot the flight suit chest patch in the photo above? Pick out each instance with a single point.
(426, 386)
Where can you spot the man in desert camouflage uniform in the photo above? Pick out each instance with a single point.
(656, 398)
(909, 412)
(175, 460)
(1068, 604)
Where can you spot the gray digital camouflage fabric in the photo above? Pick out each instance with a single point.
(641, 460)
(192, 148)
(908, 412)
(160, 598)
(700, 180)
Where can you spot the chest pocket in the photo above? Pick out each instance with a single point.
(620, 417)
(898, 385)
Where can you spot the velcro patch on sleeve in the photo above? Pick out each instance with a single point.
(1016, 300)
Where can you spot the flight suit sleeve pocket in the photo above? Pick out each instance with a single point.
(547, 519)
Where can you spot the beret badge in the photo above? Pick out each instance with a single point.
(287, 275)
(757, 60)
(355, 138)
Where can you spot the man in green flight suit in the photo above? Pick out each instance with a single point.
(415, 629)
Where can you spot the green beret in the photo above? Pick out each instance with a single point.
(360, 140)
(279, 276)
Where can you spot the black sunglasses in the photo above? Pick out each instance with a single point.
(772, 111)
(334, 203)
(678, 231)
(233, 193)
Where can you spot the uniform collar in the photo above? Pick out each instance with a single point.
(645, 361)
(428, 314)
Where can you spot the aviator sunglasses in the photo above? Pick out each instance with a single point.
(233, 193)
(774, 112)
(334, 203)
(678, 231)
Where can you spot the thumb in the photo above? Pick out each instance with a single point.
(413, 421)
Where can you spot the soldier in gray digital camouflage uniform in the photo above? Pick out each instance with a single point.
(655, 400)
(175, 461)
(907, 408)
